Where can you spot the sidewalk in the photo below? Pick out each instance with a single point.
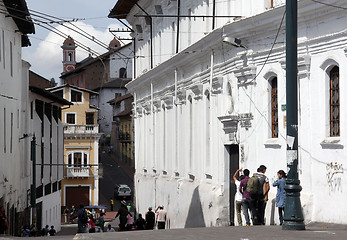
(314, 231)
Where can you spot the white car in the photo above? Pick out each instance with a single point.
(122, 191)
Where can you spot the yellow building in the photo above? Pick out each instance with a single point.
(122, 129)
(81, 147)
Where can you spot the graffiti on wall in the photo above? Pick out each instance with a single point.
(334, 176)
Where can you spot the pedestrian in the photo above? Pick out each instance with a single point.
(52, 231)
(262, 194)
(111, 203)
(238, 196)
(33, 231)
(91, 224)
(247, 202)
(109, 228)
(66, 213)
(25, 231)
(150, 219)
(101, 221)
(122, 213)
(281, 193)
(130, 221)
(45, 231)
(3, 220)
(161, 218)
(72, 213)
(82, 219)
(140, 222)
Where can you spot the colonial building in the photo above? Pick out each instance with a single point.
(106, 74)
(45, 124)
(122, 129)
(15, 174)
(81, 147)
(215, 102)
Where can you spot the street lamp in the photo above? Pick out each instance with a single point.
(293, 217)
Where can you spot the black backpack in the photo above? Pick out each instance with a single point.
(260, 191)
(84, 217)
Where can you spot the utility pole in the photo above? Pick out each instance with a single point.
(33, 186)
(293, 217)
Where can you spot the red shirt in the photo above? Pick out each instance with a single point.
(91, 223)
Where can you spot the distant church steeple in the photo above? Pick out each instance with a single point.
(114, 44)
(69, 54)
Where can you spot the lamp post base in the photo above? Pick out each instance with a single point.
(293, 225)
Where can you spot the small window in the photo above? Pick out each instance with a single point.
(77, 159)
(334, 102)
(274, 108)
(70, 118)
(85, 159)
(122, 73)
(76, 96)
(90, 118)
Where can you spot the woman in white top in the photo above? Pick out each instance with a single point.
(238, 196)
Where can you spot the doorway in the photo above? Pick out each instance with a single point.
(233, 151)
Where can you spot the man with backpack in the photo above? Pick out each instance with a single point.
(262, 194)
(82, 219)
(247, 202)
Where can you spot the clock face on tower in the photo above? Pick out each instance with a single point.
(69, 68)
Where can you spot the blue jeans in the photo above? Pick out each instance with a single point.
(248, 204)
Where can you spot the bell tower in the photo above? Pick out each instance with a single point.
(69, 55)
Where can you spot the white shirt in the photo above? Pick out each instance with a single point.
(110, 230)
(161, 215)
(238, 195)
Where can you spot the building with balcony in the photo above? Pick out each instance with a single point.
(106, 74)
(81, 146)
(122, 129)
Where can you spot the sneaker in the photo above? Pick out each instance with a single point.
(247, 225)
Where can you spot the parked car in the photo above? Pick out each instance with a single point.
(122, 191)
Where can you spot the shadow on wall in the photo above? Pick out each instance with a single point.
(195, 216)
(273, 207)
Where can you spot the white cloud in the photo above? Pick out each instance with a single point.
(46, 59)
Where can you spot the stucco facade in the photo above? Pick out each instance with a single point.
(81, 148)
(208, 111)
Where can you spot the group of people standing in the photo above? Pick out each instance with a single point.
(141, 223)
(252, 195)
(159, 216)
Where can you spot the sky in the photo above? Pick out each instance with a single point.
(45, 53)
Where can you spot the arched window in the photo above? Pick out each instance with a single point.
(122, 73)
(77, 159)
(274, 108)
(334, 90)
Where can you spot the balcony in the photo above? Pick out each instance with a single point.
(89, 171)
(77, 172)
(81, 129)
(124, 137)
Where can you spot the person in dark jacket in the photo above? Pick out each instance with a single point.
(140, 223)
(150, 219)
(122, 213)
